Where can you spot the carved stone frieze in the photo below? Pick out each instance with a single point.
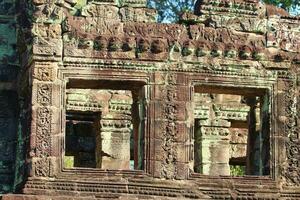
(46, 73)
(48, 13)
(81, 106)
(104, 47)
(177, 44)
(155, 30)
(238, 7)
(50, 47)
(224, 35)
(232, 112)
(108, 12)
(92, 26)
(137, 15)
(214, 131)
(102, 1)
(169, 130)
(111, 124)
(46, 31)
(158, 190)
(243, 24)
(43, 132)
(283, 35)
(152, 49)
(44, 94)
(292, 168)
(201, 112)
(43, 167)
(119, 107)
(132, 3)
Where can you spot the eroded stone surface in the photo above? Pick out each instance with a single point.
(241, 56)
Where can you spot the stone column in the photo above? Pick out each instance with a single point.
(41, 60)
(115, 131)
(170, 130)
(212, 149)
(184, 132)
(115, 144)
(139, 108)
(253, 165)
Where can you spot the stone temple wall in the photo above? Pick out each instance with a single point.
(232, 47)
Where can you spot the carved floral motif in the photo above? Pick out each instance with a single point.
(170, 129)
(44, 94)
(42, 167)
(292, 171)
(43, 73)
(43, 132)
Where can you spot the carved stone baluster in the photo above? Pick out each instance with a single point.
(116, 129)
(212, 144)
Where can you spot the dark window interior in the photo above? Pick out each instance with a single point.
(81, 138)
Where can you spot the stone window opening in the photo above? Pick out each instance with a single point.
(105, 128)
(231, 133)
(81, 128)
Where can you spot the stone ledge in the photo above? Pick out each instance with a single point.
(41, 197)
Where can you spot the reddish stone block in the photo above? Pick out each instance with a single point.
(158, 78)
(182, 152)
(183, 171)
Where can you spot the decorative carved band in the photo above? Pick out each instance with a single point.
(169, 132)
(43, 167)
(292, 171)
(43, 73)
(44, 94)
(43, 132)
(84, 106)
(215, 131)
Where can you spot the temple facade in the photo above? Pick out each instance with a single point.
(99, 101)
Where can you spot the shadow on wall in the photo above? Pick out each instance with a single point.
(8, 139)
